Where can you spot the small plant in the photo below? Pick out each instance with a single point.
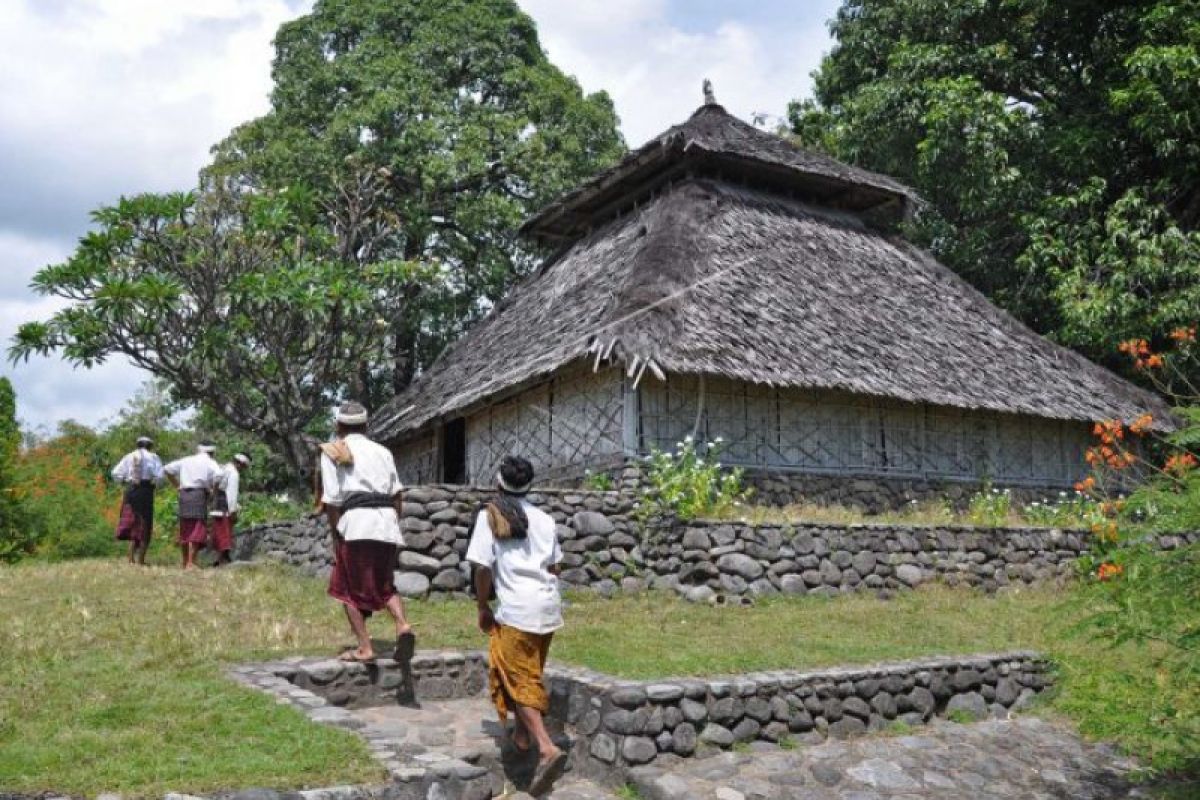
(629, 792)
(786, 743)
(740, 747)
(961, 716)
(989, 507)
(597, 481)
(899, 727)
(687, 484)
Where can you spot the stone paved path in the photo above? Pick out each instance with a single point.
(465, 730)
(1023, 758)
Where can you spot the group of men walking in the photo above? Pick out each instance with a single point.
(208, 500)
(513, 552)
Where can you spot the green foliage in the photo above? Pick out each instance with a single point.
(687, 484)
(1070, 510)
(1166, 505)
(598, 481)
(1154, 599)
(1055, 142)
(15, 540)
(245, 303)
(458, 106)
(989, 507)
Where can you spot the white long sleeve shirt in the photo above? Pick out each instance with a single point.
(373, 471)
(140, 465)
(229, 483)
(199, 471)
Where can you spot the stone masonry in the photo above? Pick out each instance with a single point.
(606, 549)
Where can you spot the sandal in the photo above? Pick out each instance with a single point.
(406, 647)
(352, 657)
(547, 773)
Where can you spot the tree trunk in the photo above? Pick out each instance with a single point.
(300, 454)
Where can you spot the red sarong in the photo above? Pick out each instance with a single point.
(131, 527)
(193, 531)
(363, 574)
(222, 534)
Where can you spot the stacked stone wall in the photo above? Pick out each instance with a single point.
(608, 550)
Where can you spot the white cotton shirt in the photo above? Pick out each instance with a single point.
(527, 591)
(374, 471)
(199, 471)
(229, 483)
(128, 469)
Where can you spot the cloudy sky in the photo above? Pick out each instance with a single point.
(100, 98)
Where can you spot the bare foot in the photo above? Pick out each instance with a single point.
(360, 654)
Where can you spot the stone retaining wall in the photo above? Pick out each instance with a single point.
(607, 550)
(617, 725)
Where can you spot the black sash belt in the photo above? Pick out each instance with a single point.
(367, 500)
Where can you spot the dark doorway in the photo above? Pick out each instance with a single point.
(454, 451)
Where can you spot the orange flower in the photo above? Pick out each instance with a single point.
(1108, 571)
(1141, 424)
(1180, 463)
(1154, 361)
(1186, 334)
(1086, 485)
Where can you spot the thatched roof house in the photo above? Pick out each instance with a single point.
(718, 280)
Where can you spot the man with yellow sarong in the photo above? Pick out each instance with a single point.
(514, 548)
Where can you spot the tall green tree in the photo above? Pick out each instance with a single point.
(475, 128)
(1056, 142)
(251, 304)
(14, 541)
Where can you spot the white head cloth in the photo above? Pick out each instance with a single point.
(242, 459)
(351, 413)
(207, 447)
(508, 487)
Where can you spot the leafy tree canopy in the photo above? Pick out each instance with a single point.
(473, 125)
(1057, 143)
(249, 304)
(13, 541)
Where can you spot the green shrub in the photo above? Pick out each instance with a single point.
(597, 481)
(989, 507)
(686, 484)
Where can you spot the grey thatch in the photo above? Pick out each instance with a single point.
(709, 277)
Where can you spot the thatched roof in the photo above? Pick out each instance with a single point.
(712, 278)
(713, 142)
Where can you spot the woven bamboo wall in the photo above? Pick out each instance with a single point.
(829, 432)
(574, 419)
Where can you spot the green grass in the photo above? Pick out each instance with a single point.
(113, 674)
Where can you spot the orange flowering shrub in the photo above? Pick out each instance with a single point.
(1108, 571)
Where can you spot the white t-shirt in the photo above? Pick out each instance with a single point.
(140, 465)
(374, 471)
(527, 591)
(200, 471)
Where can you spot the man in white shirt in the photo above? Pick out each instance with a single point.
(140, 473)
(514, 548)
(361, 495)
(196, 478)
(225, 506)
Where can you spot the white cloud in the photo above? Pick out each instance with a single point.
(653, 65)
(100, 98)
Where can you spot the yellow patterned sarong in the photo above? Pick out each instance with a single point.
(515, 663)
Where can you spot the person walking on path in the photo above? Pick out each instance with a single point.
(362, 497)
(140, 472)
(225, 506)
(514, 549)
(195, 477)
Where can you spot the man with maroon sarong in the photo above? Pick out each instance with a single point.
(140, 473)
(361, 495)
(223, 516)
(515, 552)
(196, 478)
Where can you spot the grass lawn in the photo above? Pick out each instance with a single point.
(112, 675)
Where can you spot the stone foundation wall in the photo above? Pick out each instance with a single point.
(607, 550)
(437, 521)
(617, 725)
(627, 724)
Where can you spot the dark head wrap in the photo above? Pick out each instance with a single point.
(506, 516)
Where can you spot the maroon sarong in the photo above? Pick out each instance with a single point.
(222, 534)
(131, 527)
(193, 531)
(363, 573)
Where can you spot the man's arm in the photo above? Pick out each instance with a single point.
(483, 598)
